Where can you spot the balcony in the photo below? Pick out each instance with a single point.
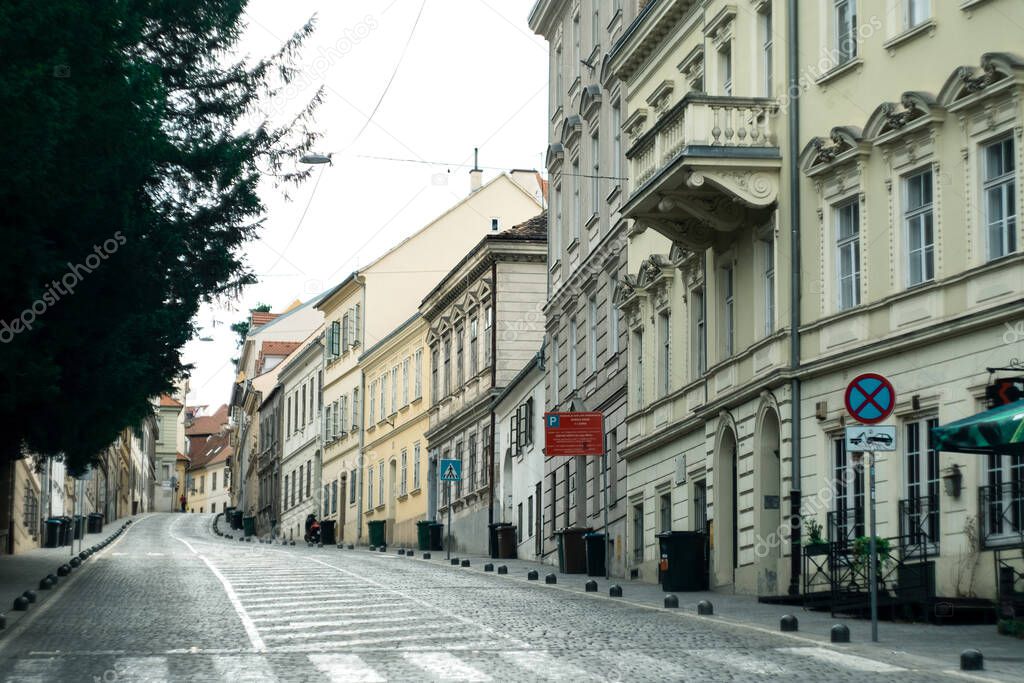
(706, 167)
(1002, 515)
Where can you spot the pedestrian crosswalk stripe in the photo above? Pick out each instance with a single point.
(541, 664)
(842, 659)
(152, 669)
(309, 613)
(244, 669)
(345, 668)
(291, 626)
(741, 662)
(392, 642)
(445, 666)
(32, 671)
(338, 632)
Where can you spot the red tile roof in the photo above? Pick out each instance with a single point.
(209, 424)
(274, 348)
(214, 449)
(168, 402)
(261, 318)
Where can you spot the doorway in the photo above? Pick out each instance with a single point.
(770, 484)
(342, 506)
(724, 508)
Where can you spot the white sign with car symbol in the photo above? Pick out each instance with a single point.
(870, 438)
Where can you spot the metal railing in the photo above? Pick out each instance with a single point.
(845, 526)
(919, 526)
(1002, 514)
(703, 120)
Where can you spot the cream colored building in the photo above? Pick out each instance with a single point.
(395, 448)
(907, 178)
(372, 302)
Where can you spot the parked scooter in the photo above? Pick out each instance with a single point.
(312, 529)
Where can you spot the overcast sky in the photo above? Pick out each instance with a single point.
(472, 75)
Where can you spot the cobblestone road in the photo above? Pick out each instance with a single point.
(171, 601)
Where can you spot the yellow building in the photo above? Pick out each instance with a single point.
(396, 419)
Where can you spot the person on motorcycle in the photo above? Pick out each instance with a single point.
(312, 529)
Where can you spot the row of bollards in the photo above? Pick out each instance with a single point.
(29, 597)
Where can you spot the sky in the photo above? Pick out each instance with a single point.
(411, 81)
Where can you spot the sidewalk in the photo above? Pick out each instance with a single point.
(1004, 656)
(22, 572)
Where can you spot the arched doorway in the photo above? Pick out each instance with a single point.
(725, 524)
(768, 481)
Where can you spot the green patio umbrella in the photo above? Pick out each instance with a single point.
(1000, 430)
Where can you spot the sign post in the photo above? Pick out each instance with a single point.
(451, 470)
(870, 398)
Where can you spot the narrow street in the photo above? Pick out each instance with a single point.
(171, 601)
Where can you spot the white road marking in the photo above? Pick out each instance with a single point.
(291, 626)
(247, 623)
(445, 666)
(321, 634)
(540, 664)
(345, 668)
(244, 669)
(33, 671)
(842, 659)
(149, 669)
(735, 660)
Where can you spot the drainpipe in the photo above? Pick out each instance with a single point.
(794, 293)
(494, 384)
(362, 435)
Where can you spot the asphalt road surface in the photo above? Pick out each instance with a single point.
(171, 601)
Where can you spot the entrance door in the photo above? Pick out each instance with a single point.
(537, 528)
(920, 508)
(342, 506)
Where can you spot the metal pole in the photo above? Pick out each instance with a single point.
(448, 496)
(607, 571)
(873, 569)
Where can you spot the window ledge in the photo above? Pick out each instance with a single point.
(556, 264)
(616, 191)
(967, 5)
(574, 245)
(592, 221)
(911, 33)
(840, 70)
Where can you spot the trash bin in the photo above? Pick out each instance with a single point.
(53, 533)
(95, 522)
(572, 552)
(508, 543)
(377, 536)
(79, 527)
(236, 519)
(596, 548)
(684, 563)
(423, 534)
(492, 545)
(249, 525)
(436, 531)
(66, 531)
(327, 532)
(229, 514)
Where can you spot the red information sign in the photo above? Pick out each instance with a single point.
(569, 434)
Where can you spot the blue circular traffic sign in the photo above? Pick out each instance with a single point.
(870, 398)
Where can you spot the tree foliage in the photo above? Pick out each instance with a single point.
(134, 150)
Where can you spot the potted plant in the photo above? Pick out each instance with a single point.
(815, 544)
(862, 552)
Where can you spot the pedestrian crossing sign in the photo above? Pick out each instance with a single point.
(451, 470)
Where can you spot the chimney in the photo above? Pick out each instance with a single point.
(476, 176)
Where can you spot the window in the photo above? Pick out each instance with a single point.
(329, 426)
(369, 486)
(309, 478)
(767, 48)
(525, 415)
(595, 28)
(616, 142)
(573, 352)
(529, 517)
(319, 389)
(383, 395)
(847, 216)
(460, 358)
(435, 389)
(638, 533)
(356, 326)
(555, 370)
(417, 381)
(700, 506)
(592, 333)
(373, 402)
(665, 511)
(495, 224)
(471, 470)
(300, 484)
(447, 366)
(312, 401)
(1000, 198)
(916, 12)
(917, 219)
(489, 335)
(849, 496)
(638, 366)
(595, 180)
(355, 408)
(303, 423)
(404, 480)
(768, 281)
(334, 497)
(404, 381)
(474, 346)
(725, 69)
(613, 315)
(555, 235)
(394, 389)
(845, 30)
(213, 481)
(577, 208)
(415, 467)
(458, 456)
(921, 508)
(202, 483)
(576, 57)
(664, 353)
(352, 487)
(294, 486)
(346, 335)
(566, 489)
(335, 338)
(288, 416)
(519, 525)
(728, 311)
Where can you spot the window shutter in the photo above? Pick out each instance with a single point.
(355, 327)
(345, 336)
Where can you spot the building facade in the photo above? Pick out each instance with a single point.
(395, 446)
(586, 367)
(485, 323)
(170, 441)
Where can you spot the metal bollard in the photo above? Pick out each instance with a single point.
(488, 567)
(840, 633)
(972, 660)
(671, 602)
(532, 575)
(788, 623)
(705, 608)
(590, 586)
(550, 578)
(503, 569)
(615, 590)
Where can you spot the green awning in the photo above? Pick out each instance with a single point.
(1000, 430)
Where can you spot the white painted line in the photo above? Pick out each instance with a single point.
(34, 671)
(243, 669)
(340, 632)
(740, 662)
(542, 665)
(445, 666)
(842, 659)
(247, 623)
(345, 668)
(319, 645)
(153, 669)
(328, 610)
(291, 626)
